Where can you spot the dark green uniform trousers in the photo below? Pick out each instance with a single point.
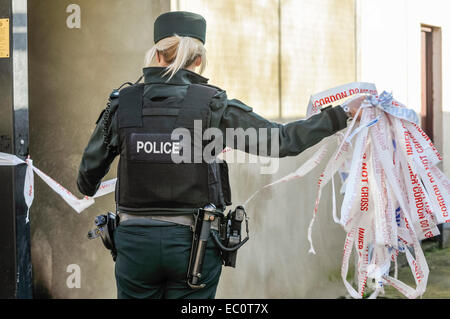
(152, 262)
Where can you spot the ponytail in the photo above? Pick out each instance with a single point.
(178, 52)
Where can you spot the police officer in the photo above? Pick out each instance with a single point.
(156, 198)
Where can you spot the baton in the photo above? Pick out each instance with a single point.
(206, 216)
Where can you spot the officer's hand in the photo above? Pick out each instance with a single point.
(354, 106)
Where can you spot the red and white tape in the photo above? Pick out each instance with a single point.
(395, 195)
(77, 204)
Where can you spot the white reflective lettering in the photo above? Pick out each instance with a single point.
(148, 147)
(167, 150)
(155, 148)
(140, 145)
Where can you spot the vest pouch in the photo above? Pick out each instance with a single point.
(163, 185)
(225, 181)
(214, 184)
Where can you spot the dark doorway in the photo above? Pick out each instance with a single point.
(431, 91)
(427, 80)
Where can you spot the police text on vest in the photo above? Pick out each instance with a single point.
(158, 147)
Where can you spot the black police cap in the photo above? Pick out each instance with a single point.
(182, 23)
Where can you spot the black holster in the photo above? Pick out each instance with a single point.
(106, 224)
(229, 236)
(226, 233)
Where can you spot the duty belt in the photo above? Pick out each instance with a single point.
(186, 220)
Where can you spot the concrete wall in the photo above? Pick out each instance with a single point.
(273, 65)
(72, 72)
(242, 48)
(317, 50)
(288, 49)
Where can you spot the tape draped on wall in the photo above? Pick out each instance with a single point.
(77, 204)
(394, 194)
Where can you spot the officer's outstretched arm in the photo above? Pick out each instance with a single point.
(100, 151)
(293, 137)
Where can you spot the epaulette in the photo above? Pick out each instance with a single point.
(213, 86)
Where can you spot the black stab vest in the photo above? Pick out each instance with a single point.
(148, 179)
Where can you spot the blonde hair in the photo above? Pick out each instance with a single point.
(178, 52)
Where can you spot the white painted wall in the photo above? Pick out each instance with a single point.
(389, 42)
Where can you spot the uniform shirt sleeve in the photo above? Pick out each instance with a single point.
(294, 137)
(100, 152)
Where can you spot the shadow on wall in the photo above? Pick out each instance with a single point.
(40, 290)
(41, 256)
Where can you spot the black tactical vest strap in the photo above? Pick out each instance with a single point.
(129, 115)
(160, 111)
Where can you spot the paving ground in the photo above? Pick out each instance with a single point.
(439, 279)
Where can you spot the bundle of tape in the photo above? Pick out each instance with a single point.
(395, 195)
